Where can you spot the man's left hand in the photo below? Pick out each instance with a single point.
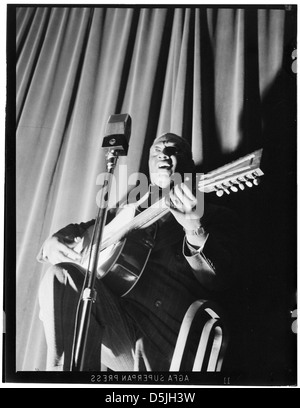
(185, 207)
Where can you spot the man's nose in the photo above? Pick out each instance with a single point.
(166, 153)
(162, 155)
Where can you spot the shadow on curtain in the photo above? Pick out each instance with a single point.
(202, 73)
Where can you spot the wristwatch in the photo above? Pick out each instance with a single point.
(198, 231)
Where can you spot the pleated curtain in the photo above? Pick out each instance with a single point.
(186, 70)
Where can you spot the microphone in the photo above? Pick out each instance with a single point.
(117, 134)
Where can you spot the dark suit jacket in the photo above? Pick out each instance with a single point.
(175, 276)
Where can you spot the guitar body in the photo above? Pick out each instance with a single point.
(127, 262)
(121, 264)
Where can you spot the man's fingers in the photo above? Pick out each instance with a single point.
(188, 192)
(187, 200)
(69, 252)
(176, 202)
(73, 255)
(62, 258)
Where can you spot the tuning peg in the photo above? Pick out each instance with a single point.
(256, 181)
(254, 178)
(242, 181)
(233, 187)
(225, 188)
(249, 181)
(221, 189)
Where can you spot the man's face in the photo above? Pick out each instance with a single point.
(167, 156)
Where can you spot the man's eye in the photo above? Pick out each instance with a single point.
(172, 151)
(155, 151)
(168, 150)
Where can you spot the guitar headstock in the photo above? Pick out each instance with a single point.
(233, 177)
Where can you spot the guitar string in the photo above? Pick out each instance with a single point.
(146, 216)
(150, 213)
(138, 221)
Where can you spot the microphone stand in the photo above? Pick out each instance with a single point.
(89, 294)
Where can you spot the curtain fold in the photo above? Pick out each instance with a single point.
(229, 82)
(271, 47)
(172, 69)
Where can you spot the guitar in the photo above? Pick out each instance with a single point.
(123, 256)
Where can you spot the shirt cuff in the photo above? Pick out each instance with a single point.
(192, 249)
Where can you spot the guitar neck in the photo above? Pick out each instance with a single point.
(229, 178)
(149, 215)
(233, 176)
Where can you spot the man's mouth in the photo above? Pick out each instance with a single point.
(164, 166)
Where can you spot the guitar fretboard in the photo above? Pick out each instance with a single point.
(222, 179)
(150, 214)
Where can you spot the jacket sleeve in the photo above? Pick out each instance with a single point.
(70, 232)
(216, 263)
(67, 235)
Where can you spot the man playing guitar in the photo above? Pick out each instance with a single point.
(193, 254)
